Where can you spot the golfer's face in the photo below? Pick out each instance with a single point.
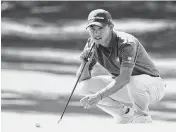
(99, 34)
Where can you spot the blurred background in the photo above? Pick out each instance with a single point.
(40, 46)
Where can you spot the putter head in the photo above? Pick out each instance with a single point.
(59, 121)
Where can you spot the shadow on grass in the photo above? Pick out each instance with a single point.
(18, 102)
(42, 103)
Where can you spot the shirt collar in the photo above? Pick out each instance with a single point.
(113, 40)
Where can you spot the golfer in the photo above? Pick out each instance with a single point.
(133, 82)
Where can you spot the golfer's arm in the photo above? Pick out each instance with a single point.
(118, 83)
(86, 74)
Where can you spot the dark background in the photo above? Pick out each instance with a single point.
(38, 14)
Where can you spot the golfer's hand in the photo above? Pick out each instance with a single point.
(90, 100)
(84, 55)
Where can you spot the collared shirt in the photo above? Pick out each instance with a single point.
(124, 50)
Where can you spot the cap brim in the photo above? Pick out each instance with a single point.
(97, 24)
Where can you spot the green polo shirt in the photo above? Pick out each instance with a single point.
(124, 50)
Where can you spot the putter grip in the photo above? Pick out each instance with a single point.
(90, 53)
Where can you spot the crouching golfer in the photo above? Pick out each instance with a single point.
(133, 77)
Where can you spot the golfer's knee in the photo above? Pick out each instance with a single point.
(92, 85)
(83, 87)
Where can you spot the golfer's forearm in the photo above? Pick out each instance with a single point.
(112, 88)
(86, 73)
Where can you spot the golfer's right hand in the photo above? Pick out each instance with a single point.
(85, 54)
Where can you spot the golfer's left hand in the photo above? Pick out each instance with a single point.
(90, 100)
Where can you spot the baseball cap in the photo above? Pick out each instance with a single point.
(99, 17)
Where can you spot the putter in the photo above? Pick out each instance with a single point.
(86, 60)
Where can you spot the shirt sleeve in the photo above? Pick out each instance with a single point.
(93, 61)
(128, 55)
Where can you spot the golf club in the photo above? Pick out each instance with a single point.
(86, 60)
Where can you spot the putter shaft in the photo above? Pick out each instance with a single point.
(86, 59)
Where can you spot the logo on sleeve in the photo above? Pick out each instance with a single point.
(117, 59)
(129, 58)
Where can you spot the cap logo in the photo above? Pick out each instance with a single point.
(93, 18)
